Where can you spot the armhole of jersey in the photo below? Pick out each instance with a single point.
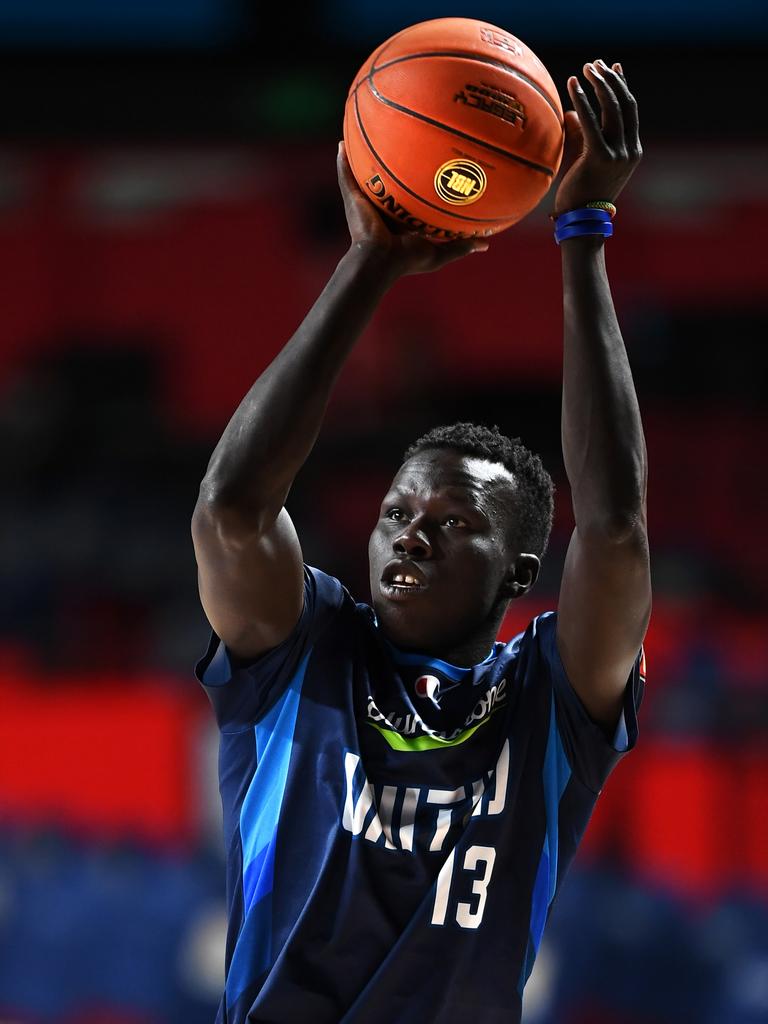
(624, 735)
(323, 595)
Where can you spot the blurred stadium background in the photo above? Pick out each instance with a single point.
(168, 212)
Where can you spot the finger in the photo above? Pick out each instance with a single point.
(355, 203)
(610, 109)
(629, 142)
(629, 112)
(593, 136)
(446, 252)
(347, 180)
(625, 100)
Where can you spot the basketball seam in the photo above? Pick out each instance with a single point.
(474, 57)
(421, 199)
(541, 168)
(379, 52)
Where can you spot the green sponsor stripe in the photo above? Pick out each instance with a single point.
(399, 742)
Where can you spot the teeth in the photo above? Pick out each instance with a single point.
(405, 578)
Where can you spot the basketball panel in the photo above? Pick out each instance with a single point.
(488, 103)
(409, 154)
(474, 37)
(377, 183)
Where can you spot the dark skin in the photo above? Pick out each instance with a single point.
(249, 556)
(447, 520)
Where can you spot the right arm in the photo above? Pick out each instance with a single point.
(250, 566)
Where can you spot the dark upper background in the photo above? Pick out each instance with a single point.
(168, 211)
(233, 70)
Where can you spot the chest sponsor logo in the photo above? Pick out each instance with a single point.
(429, 688)
(406, 817)
(411, 732)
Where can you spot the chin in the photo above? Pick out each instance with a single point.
(403, 630)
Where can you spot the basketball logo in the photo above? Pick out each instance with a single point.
(460, 182)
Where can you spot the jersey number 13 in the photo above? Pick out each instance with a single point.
(479, 859)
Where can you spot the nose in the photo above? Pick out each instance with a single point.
(413, 542)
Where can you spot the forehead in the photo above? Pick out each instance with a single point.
(453, 474)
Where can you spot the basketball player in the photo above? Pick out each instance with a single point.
(402, 794)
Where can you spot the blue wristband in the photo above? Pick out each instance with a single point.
(584, 228)
(587, 213)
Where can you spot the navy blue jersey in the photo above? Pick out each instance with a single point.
(396, 827)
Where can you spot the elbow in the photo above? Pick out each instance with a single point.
(236, 520)
(627, 527)
(213, 494)
(613, 510)
(221, 496)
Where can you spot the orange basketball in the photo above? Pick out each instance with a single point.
(454, 128)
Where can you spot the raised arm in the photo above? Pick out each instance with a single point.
(248, 554)
(605, 594)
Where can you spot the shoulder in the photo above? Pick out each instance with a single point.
(538, 638)
(592, 749)
(242, 691)
(324, 595)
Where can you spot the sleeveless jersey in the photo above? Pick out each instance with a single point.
(396, 827)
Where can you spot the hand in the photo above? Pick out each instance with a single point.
(599, 157)
(402, 253)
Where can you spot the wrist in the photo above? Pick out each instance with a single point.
(372, 262)
(599, 204)
(592, 219)
(583, 243)
(582, 258)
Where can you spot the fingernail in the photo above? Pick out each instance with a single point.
(601, 62)
(619, 68)
(592, 68)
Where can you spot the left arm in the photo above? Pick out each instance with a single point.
(605, 594)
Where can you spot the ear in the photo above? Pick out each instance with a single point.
(522, 574)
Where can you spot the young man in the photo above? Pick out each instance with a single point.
(402, 795)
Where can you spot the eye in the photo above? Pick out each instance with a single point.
(396, 515)
(454, 521)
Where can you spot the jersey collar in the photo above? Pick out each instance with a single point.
(425, 663)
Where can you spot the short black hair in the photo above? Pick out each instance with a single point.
(535, 502)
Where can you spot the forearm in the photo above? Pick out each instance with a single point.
(602, 435)
(275, 426)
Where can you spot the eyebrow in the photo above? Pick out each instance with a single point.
(466, 497)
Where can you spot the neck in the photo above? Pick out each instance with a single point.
(474, 646)
(471, 648)
(467, 654)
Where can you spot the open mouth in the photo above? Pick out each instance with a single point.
(400, 584)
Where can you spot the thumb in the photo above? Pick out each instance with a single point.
(458, 248)
(360, 213)
(574, 140)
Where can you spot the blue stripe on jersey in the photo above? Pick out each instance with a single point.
(621, 737)
(556, 774)
(259, 817)
(453, 672)
(219, 670)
